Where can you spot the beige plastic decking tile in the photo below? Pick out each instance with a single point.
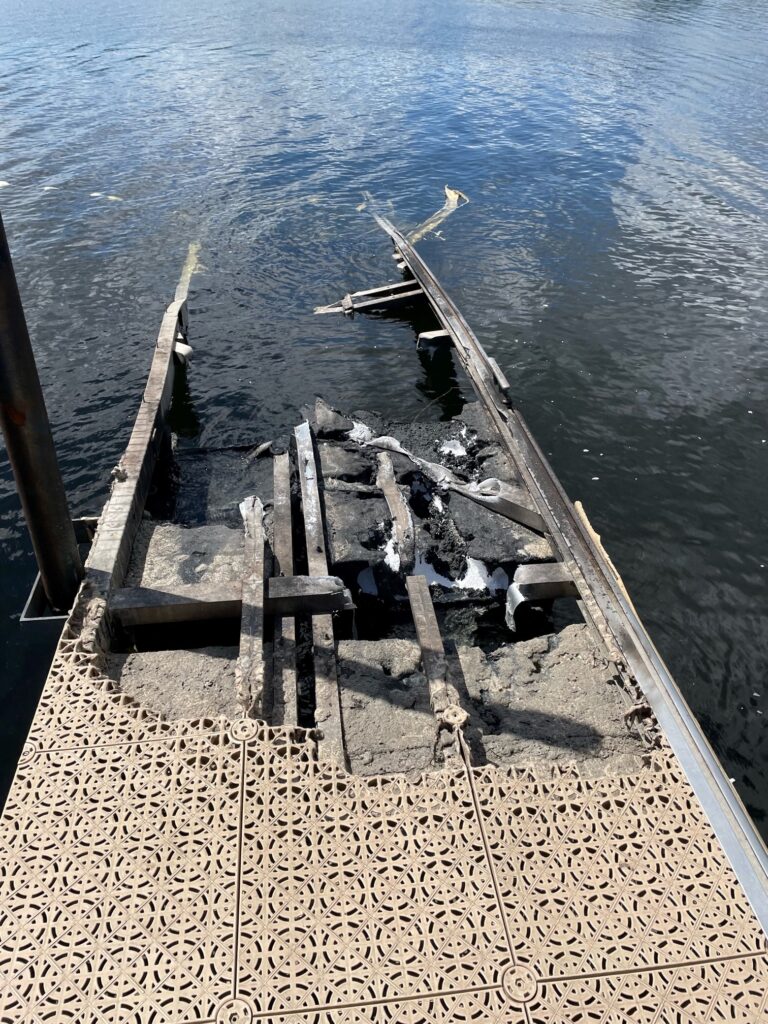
(218, 872)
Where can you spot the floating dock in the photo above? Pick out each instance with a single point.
(360, 725)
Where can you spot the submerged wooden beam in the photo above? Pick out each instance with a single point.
(327, 697)
(374, 298)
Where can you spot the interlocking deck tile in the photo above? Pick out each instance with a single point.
(216, 871)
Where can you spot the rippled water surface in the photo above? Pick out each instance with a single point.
(613, 258)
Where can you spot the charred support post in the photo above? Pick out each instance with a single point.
(30, 448)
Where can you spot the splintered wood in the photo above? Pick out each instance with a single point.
(249, 671)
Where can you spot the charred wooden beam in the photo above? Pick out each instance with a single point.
(374, 298)
(443, 695)
(496, 496)
(144, 606)
(327, 697)
(313, 595)
(284, 674)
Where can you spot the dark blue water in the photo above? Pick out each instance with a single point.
(613, 258)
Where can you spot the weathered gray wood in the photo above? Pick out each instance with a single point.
(249, 671)
(143, 606)
(499, 377)
(351, 300)
(110, 553)
(284, 697)
(539, 574)
(376, 298)
(402, 522)
(385, 288)
(284, 596)
(530, 462)
(443, 696)
(327, 697)
(430, 336)
(387, 300)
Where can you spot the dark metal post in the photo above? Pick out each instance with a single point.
(30, 447)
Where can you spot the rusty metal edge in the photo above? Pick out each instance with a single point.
(741, 842)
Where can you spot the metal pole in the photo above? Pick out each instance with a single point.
(27, 431)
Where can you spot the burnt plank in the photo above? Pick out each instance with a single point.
(327, 699)
(285, 709)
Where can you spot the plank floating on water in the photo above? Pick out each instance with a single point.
(402, 522)
(374, 298)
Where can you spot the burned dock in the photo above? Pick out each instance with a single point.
(378, 736)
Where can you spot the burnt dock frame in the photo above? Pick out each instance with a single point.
(602, 594)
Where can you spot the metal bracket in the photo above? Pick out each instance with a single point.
(543, 581)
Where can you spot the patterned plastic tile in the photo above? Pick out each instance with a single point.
(216, 872)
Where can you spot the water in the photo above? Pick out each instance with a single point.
(613, 258)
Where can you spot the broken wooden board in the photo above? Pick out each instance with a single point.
(443, 695)
(197, 602)
(110, 553)
(327, 698)
(374, 298)
(284, 596)
(284, 675)
(249, 671)
(544, 581)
